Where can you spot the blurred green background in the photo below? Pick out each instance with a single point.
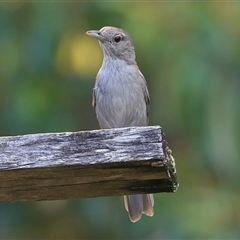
(189, 53)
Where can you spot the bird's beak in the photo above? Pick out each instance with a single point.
(95, 34)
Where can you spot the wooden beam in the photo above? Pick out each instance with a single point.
(96, 163)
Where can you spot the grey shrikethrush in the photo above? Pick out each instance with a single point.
(121, 98)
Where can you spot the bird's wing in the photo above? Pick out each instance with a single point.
(146, 98)
(145, 93)
(94, 97)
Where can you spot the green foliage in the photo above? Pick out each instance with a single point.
(189, 53)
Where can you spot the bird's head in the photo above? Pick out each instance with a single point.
(115, 43)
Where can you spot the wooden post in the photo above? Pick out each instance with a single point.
(85, 164)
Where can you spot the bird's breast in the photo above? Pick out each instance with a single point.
(119, 98)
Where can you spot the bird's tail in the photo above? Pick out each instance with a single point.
(138, 204)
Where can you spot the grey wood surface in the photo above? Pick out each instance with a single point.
(85, 164)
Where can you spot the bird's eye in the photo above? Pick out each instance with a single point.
(118, 38)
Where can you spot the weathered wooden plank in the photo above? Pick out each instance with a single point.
(85, 164)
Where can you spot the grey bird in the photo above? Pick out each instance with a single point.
(121, 98)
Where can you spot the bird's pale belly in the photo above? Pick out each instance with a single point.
(115, 112)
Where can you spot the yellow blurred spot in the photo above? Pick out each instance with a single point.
(78, 54)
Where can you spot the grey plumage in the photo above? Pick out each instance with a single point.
(121, 98)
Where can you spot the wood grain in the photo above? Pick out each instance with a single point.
(85, 164)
